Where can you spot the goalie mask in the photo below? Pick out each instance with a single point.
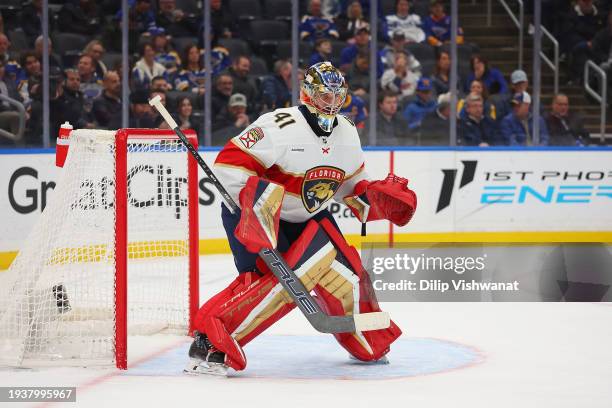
(323, 92)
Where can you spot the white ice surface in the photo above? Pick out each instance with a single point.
(530, 355)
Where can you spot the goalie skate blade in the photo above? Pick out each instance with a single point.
(199, 367)
(372, 321)
(381, 361)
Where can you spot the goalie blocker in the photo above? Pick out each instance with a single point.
(324, 262)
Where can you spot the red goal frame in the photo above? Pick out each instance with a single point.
(121, 234)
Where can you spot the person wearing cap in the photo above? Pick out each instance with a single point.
(403, 20)
(475, 128)
(518, 83)
(566, 128)
(348, 23)
(437, 26)
(230, 121)
(517, 127)
(164, 54)
(361, 44)
(398, 44)
(421, 106)
(435, 129)
(314, 25)
(400, 79)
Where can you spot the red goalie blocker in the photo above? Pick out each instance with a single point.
(325, 263)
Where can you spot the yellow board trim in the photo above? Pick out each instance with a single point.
(221, 246)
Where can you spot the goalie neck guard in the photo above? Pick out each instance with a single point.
(323, 92)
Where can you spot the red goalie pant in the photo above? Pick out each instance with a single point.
(323, 261)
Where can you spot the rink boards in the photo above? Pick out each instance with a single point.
(510, 195)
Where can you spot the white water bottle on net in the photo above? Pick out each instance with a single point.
(114, 252)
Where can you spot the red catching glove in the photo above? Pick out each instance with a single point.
(261, 202)
(388, 199)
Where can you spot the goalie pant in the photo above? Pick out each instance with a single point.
(323, 261)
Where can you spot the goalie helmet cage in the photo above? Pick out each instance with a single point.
(96, 261)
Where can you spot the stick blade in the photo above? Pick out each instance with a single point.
(372, 321)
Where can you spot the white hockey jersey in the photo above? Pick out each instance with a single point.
(410, 25)
(281, 146)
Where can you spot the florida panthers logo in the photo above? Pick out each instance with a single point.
(319, 185)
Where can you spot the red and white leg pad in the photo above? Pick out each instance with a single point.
(325, 263)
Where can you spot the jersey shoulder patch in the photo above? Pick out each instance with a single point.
(250, 137)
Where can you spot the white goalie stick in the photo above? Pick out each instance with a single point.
(321, 321)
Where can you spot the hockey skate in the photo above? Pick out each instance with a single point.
(205, 358)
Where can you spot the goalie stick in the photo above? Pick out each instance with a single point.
(274, 260)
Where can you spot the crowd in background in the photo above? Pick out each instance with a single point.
(252, 75)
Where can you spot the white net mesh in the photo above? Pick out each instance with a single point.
(57, 301)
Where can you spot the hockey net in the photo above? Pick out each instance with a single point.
(115, 250)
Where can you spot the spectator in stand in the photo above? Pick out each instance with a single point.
(477, 88)
(55, 66)
(518, 83)
(400, 79)
(476, 128)
(160, 83)
(13, 71)
(354, 108)
(601, 47)
(322, 51)
(441, 76)
(174, 20)
(398, 44)
(91, 85)
(107, 107)
(580, 26)
(32, 78)
(516, 128)
(142, 115)
(350, 22)
(565, 128)
(358, 77)
(224, 88)
(435, 128)
(243, 83)
(96, 50)
(192, 76)
(409, 23)
(164, 54)
(361, 45)
(70, 103)
(9, 117)
(141, 16)
(437, 26)
(415, 111)
(184, 115)
(231, 121)
(492, 78)
(314, 25)
(276, 89)
(391, 127)
(80, 17)
(222, 22)
(31, 18)
(146, 68)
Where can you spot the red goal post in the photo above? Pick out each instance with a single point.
(115, 250)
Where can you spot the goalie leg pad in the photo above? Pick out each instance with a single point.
(251, 303)
(337, 297)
